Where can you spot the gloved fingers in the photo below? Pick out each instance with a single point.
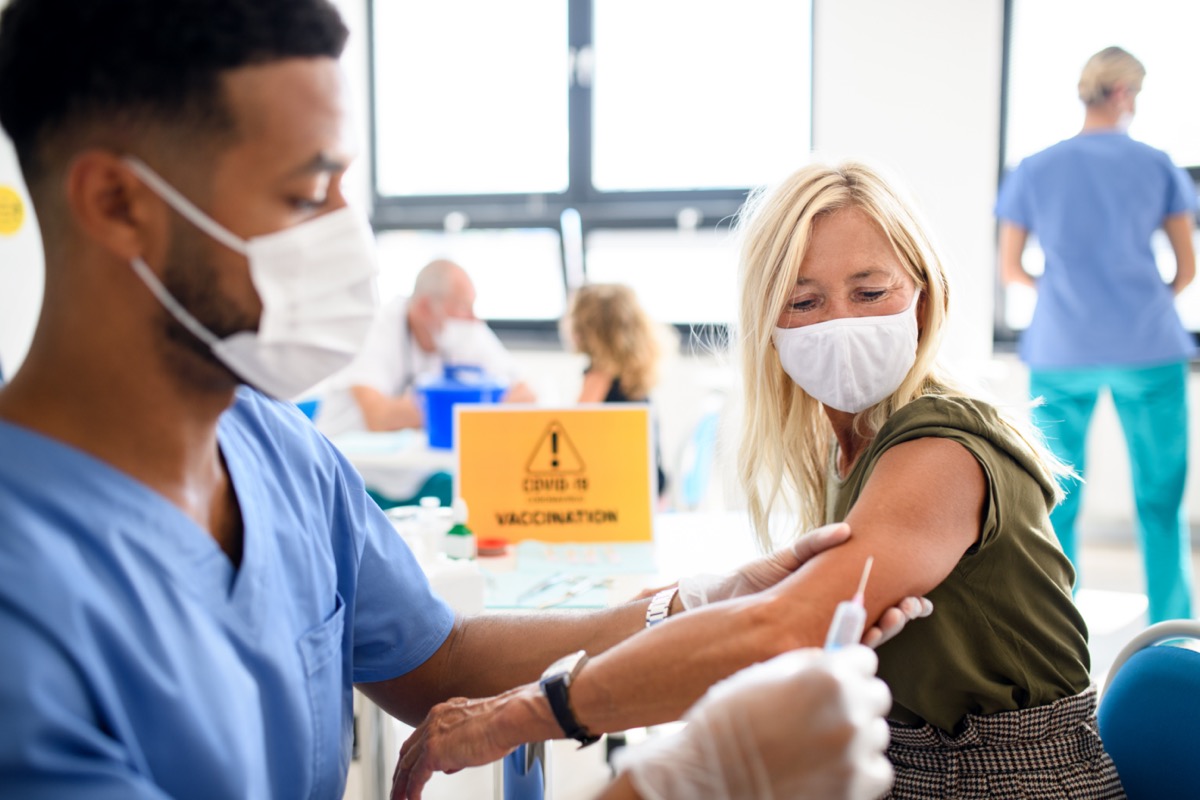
(895, 618)
(876, 735)
(916, 607)
(872, 779)
(769, 676)
(810, 544)
(854, 660)
(875, 697)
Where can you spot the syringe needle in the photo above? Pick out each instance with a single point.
(862, 584)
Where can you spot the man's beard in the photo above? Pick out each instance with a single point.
(192, 280)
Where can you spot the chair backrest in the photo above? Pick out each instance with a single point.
(1149, 713)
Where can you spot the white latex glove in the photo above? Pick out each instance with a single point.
(806, 724)
(763, 573)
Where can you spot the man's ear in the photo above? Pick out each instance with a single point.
(113, 209)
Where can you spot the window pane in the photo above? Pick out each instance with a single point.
(517, 273)
(693, 94)
(470, 96)
(1052, 41)
(680, 277)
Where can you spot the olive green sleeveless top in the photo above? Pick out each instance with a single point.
(1004, 633)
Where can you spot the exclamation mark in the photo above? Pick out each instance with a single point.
(554, 448)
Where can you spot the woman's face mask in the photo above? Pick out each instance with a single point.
(852, 363)
(316, 281)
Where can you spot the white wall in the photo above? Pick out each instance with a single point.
(915, 88)
(20, 271)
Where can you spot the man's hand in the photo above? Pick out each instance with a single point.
(805, 724)
(463, 733)
(762, 573)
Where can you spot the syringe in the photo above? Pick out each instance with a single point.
(850, 617)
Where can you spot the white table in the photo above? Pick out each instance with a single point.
(394, 463)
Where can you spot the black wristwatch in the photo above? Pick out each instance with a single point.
(556, 684)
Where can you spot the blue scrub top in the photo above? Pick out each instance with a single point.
(135, 662)
(1093, 202)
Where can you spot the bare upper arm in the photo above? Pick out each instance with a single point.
(919, 512)
(1012, 244)
(383, 413)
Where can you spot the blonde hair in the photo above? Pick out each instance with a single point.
(786, 437)
(1107, 69)
(609, 326)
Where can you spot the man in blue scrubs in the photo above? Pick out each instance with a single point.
(1104, 315)
(191, 577)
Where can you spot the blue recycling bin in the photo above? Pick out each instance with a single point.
(457, 384)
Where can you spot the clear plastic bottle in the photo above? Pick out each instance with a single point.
(459, 541)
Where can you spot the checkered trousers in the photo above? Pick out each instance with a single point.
(1046, 753)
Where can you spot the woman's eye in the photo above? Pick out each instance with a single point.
(802, 305)
(871, 295)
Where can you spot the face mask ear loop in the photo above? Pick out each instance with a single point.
(172, 305)
(184, 206)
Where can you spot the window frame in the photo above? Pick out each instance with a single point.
(598, 210)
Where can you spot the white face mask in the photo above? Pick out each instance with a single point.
(457, 339)
(316, 281)
(850, 364)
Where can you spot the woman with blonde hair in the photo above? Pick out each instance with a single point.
(849, 418)
(849, 421)
(624, 346)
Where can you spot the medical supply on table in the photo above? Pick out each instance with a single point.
(459, 541)
(850, 617)
(492, 546)
(438, 395)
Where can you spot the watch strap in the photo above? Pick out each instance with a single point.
(556, 688)
(660, 606)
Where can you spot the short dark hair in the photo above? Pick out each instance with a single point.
(68, 64)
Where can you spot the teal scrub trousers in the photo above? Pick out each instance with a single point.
(1151, 404)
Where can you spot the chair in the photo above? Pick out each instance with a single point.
(696, 462)
(1149, 713)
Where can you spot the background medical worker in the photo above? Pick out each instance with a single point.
(191, 577)
(413, 337)
(1104, 316)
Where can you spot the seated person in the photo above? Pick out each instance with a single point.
(848, 417)
(412, 337)
(606, 323)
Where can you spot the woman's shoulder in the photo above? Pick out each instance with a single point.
(953, 411)
(976, 424)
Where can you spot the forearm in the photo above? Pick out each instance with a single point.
(1012, 246)
(620, 789)
(654, 677)
(488, 654)
(1179, 231)
(520, 393)
(383, 413)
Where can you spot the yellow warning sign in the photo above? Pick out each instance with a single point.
(582, 474)
(12, 211)
(555, 454)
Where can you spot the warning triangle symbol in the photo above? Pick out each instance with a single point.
(555, 454)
